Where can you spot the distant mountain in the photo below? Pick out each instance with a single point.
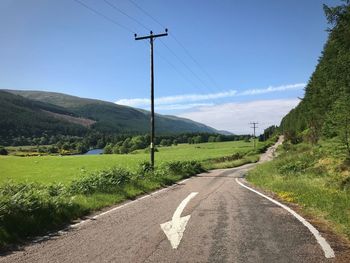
(62, 111)
(24, 117)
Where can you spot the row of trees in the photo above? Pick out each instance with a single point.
(131, 144)
(325, 109)
(268, 133)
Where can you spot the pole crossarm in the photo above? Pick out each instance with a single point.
(150, 36)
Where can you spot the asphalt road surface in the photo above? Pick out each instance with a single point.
(211, 218)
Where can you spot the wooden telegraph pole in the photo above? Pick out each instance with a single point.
(151, 38)
(254, 127)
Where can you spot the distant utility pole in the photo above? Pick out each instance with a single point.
(254, 127)
(151, 38)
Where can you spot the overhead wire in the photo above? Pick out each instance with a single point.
(145, 27)
(104, 16)
(126, 14)
(164, 58)
(166, 46)
(177, 41)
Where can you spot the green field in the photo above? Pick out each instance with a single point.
(63, 169)
(43, 193)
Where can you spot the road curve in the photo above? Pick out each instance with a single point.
(228, 223)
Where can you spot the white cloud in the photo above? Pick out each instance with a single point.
(187, 98)
(272, 89)
(235, 117)
(182, 106)
(176, 99)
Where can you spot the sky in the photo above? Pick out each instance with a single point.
(224, 63)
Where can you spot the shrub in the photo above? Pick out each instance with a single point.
(105, 181)
(144, 168)
(31, 209)
(3, 151)
(108, 149)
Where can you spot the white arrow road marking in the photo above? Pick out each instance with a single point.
(175, 228)
(328, 251)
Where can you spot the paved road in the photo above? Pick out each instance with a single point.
(228, 223)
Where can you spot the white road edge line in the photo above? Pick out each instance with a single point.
(328, 251)
(76, 225)
(124, 205)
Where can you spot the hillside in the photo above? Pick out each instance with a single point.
(324, 110)
(72, 115)
(313, 165)
(23, 117)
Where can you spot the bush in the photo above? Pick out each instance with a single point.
(108, 149)
(3, 151)
(144, 168)
(187, 168)
(106, 181)
(31, 209)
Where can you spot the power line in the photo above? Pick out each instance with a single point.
(177, 71)
(194, 60)
(142, 25)
(146, 13)
(167, 47)
(177, 41)
(183, 63)
(111, 20)
(124, 13)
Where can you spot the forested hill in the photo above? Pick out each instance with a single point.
(34, 113)
(325, 108)
(23, 117)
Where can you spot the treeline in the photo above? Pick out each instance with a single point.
(114, 143)
(325, 109)
(131, 144)
(268, 133)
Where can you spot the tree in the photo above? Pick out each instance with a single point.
(197, 139)
(108, 149)
(66, 146)
(218, 138)
(341, 119)
(81, 148)
(3, 151)
(211, 139)
(165, 142)
(52, 149)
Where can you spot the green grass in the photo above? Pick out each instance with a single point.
(64, 169)
(30, 209)
(40, 194)
(315, 177)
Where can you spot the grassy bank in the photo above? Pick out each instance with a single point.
(41, 194)
(315, 177)
(33, 208)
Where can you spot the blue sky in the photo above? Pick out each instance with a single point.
(254, 56)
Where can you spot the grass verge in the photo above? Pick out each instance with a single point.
(32, 209)
(317, 178)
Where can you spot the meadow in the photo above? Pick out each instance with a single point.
(64, 169)
(39, 194)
